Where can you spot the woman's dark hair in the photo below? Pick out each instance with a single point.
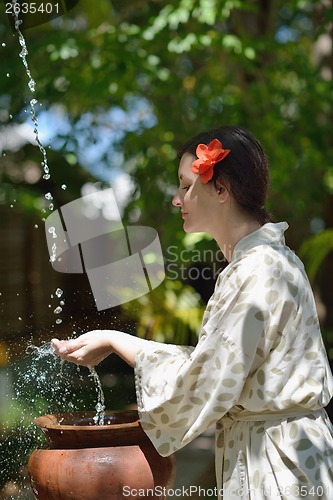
(245, 170)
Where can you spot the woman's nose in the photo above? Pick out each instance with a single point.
(177, 201)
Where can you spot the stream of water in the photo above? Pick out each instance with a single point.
(100, 406)
(32, 87)
(45, 350)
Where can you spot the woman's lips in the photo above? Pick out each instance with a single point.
(184, 214)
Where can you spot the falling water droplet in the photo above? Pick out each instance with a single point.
(32, 85)
(36, 226)
(58, 321)
(7, 75)
(49, 196)
(3, 44)
(17, 23)
(54, 253)
(59, 292)
(52, 231)
(63, 186)
(57, 310)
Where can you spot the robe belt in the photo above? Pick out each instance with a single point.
(250, 416)
(240, 415)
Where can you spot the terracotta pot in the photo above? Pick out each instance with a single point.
(84, 461)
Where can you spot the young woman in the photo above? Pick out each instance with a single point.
(259, 371)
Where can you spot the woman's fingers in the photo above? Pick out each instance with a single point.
(69, 353)
(71, 350)
(66, 346)
(88, 349)
(76, 356)
(56, 344)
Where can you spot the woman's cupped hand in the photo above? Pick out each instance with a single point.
(88, 349)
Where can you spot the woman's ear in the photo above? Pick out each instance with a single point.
(222, 189)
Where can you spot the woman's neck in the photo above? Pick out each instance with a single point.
(232, 232)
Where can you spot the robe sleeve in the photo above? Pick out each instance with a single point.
(181, 392)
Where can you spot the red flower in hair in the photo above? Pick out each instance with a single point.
(207, 157)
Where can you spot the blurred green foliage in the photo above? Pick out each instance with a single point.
(315, 249)
(197, 63)
(177, 66)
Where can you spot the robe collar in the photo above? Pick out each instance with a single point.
(268, 234)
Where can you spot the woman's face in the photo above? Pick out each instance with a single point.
(198, 202)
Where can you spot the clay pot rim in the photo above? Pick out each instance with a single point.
(48, 421)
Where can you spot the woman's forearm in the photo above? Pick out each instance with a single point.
(127, 346)
(92, 347)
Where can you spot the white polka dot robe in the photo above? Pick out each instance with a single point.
(259, 372)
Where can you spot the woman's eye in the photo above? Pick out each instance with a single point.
(186, 187)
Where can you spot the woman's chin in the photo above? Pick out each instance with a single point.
(186, 227)
(190, 229)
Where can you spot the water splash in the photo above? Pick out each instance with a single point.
(45, 368)
(40, 352)
(34, 388)
(47, 350)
